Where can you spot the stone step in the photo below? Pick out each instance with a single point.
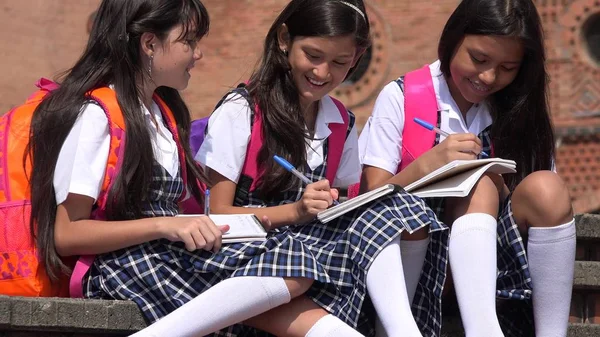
(103, 317)
(587, 275)
(49, 317)
(588, 227)
(575, 330)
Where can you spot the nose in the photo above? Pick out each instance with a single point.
(321, 71)
(488, 77)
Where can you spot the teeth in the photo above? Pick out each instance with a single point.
(479, 87)
(315, 82)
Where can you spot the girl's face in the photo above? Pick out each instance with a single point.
(483, 65)
(173, 60)
(319, 64)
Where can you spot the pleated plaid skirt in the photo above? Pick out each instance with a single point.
(161, 276)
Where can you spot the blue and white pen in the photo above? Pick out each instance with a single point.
(207, 202)
(286, 165)
(438, 131)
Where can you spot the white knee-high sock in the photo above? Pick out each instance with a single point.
(551, 254)
(413, 253)
(472, 253)
(226, 303)
(387, 289)
(331, 326)
(413, 258)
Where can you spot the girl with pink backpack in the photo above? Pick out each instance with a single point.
(488, 91)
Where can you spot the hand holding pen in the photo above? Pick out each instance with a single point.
(445, 134)
(458, 146)
(317, 197)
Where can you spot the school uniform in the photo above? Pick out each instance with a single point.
(381, 146)
(337, 254)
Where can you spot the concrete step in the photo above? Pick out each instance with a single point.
(588, 227)
(587, 275)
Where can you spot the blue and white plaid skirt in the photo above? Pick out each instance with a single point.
(161, 276)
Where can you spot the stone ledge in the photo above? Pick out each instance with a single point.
(60, 317)
(588, 226)
(575, 330)
(587, 275)
(72, 315)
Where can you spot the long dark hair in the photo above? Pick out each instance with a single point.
(271, 86)
(112, 56)
(521, 129)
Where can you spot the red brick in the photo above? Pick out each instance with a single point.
(43, 38)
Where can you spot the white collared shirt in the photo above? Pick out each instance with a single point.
(380, 143)
(84, 154)
(228, 134)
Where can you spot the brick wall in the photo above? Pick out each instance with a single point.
(43, 38)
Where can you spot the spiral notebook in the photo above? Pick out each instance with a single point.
(365, 198)
(455, 179)
(242, 227)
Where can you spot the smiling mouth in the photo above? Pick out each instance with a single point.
(482, 88)
(315, 82)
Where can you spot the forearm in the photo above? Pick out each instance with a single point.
(407, 176)
(278, 215)
(374, 177)
(89, 237)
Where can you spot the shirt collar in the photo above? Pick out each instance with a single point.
(328, 113)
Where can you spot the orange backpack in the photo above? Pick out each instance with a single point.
(21, 271)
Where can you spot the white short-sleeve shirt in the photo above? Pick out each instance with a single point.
(224, 147)
(380, 143)
(84, 154)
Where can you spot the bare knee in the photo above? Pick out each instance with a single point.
(484, 198)
(542, 200)
(298, 285)
(421, 234)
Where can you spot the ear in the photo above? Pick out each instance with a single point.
(359, 54)
(283, 38)
(147, 43)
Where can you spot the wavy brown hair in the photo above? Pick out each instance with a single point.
(521, 128)
(272, 87)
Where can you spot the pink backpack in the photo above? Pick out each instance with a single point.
(420, 101)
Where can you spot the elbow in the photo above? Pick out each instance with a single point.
(62, 244)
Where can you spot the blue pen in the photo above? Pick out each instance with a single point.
(207, 202)
(438, 131)
(286, 165)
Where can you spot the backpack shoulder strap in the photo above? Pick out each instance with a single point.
(337, 139)
(171, 123)
(419, 101)
(251, 167)
(107, 99)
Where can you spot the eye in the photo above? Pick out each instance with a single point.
(311, 56)
(341, 64)
(509, 68)
(476, 60)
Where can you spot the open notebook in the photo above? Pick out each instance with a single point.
(242, 227)
(346, 206)
(457, 178)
